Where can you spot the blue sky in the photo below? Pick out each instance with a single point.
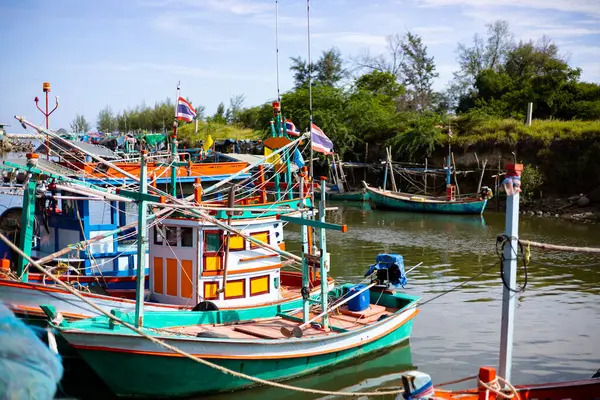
(123, 53)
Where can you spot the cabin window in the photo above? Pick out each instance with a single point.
(212, 242)
(187, 237)
(262, 236)
(158, 235)
(236, 242)
(171, 235)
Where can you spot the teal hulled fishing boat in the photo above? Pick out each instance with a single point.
(248, 341)
(386, 199)
(273, 342)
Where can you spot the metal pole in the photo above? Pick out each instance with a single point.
(508, 296)
(310, 109)
(174, 149)
(529, 113)
(323, 266)
(277, 45)
(142, 244)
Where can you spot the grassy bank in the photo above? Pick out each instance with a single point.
(565, 152)
(217, 131)
(472, 131)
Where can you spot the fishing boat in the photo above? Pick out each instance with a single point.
(391, 200)
(274, 342)
(117, 276)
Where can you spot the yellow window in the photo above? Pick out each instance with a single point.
(259, 285)
(235, 289)
(213, 263)
(262, 236)
(237, 242)
(210, 290)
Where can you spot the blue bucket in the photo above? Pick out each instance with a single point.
(360, 302)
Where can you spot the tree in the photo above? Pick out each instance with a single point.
(106, 122)
(236, 103)
(302, 71)
(418, 70)
(329, 68)
(379, 82)
(488, 53)
(390, 61)
(79, 124)
(219, 116)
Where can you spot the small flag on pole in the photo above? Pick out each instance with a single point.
(208, 143)
(185, 111)
(291, 128)
(298, 159)
(272, 159)
(320, 142)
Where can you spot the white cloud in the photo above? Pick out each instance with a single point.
(590, 7)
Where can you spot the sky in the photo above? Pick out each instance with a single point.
(125, 53)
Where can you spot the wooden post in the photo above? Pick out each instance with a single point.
(389, 153)
(366, 156)
(509, 297)
(486, 375)
(455, 179)
(498, 184)
(198, 190)
(142, 244)
(322, 265)
(481, 176)
(425, 176)
(230, 204)
(529, 113)
(26, 234)
(261, 183)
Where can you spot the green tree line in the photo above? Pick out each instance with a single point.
(388, 98)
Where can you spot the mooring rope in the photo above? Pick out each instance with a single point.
(183, 353)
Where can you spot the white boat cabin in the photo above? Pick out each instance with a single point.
(187, 258)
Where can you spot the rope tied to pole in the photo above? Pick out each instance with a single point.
(501, 242)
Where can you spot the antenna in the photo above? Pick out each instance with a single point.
(310, 108)
(277, 45)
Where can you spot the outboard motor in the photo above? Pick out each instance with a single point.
(389, 270)
(417, 386)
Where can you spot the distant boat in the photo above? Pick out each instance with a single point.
(387, 199)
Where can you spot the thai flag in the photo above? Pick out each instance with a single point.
(185, 111)
(320, 142)
(291, 128)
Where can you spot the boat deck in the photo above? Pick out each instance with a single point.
(340, 320)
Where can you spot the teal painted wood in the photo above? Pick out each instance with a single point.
(131, 366)
(387, 201)
(158, 376)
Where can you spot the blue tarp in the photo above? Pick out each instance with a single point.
(390, 261)
(28, 368)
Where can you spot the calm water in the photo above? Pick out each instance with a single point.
(557, 317)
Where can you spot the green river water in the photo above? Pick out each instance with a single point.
(557, 320)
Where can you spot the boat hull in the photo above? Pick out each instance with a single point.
(153, 371)
(24, 299)
(385, 200)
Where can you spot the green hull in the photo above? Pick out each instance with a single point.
(159, 376)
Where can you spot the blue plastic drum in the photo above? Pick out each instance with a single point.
(360, 302)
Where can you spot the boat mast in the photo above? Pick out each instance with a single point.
(277, 46)
(310, 105)
(174, 148)
(142, 244)
(449, 156)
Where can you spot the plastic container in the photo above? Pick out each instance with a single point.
(360, 302)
